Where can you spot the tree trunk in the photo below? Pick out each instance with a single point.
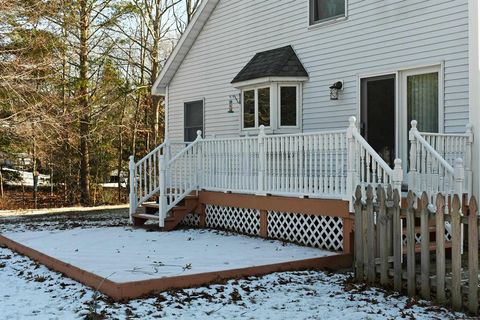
(120, 152)
(34, 169)
(155, 58)
(84, 105)
(1, 183)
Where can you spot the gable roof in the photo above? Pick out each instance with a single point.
(184, 45)
(279, 62)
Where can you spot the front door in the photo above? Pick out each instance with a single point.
(193, 119)
(378, 122)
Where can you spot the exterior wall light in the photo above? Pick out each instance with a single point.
(231, 99)
(334, 88)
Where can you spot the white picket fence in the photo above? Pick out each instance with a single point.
(327, 164)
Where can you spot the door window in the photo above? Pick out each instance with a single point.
(378, 115)
(422, 101)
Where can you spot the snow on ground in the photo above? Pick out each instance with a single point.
(124, 254)
(31, 291)
(26, 178)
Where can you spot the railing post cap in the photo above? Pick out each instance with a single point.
(262, 129)
(353, 121)
(199, 134)
(469, 126)
(459, 162)
(398, 162)
(414, 124)
(132, 158)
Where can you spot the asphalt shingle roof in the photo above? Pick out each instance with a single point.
(280, 62)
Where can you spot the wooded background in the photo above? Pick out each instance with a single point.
(75, 83)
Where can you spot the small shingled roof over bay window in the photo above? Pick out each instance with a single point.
(271, 91)
(280, 62)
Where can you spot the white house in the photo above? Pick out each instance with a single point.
(309, 98)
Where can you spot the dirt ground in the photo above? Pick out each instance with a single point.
(18, 198)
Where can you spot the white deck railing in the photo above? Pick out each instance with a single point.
(230, 164)
(328, 164)
(308, 164)
(430, 171)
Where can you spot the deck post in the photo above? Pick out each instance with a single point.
(468, 160)
(261, 162)
(351, 156)
(132, 182)
(459, 176)
(412, 174)
(199, 172)
(397, 175)
(162, 201)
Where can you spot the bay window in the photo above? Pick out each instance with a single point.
(277, 107)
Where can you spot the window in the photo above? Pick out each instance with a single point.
(249, 109)
(288, 106)
(264, 107)
(277, 107)
(256, 107)
(193, 119)
(324, 10)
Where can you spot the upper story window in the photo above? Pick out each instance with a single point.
(326, 10)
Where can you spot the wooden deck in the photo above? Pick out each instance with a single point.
(136, 289)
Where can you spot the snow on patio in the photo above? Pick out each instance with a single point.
(31, 291)
(125, 254)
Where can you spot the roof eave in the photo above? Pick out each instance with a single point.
(253, 82)
(183, 46)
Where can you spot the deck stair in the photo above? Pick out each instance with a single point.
(431, 229)
(174, 216)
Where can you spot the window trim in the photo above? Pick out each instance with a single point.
(316, 23)
(185, 115)
(297, 107)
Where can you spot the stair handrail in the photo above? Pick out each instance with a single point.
(169, 197)
(151, 153)
(456, 172)
(137, 196)
(461, 143)
(356, 142)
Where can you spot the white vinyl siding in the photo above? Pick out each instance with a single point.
(379, 36)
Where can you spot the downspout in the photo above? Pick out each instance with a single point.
(474, 88)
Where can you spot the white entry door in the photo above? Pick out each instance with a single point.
(421, 99)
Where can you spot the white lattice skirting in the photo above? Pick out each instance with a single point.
(237, 219)
(310, 230)
(191, 220)
(314, 231)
